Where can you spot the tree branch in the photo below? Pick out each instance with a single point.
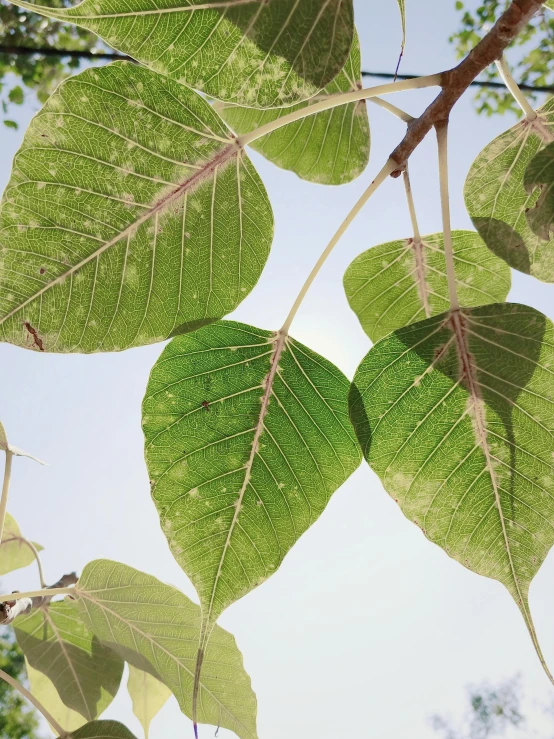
(9, 610)
(456, 81)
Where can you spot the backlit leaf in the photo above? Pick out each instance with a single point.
(402, 8)
(456, 416)
(43, 689)
(15, 552)
(540, 173)
(252, 52)
(131, 215)
(330, 148)
(247, 438)
(497, 201)
(148, 695)
(103, 730)
(134, 612)
(85, 673)
(401, 282)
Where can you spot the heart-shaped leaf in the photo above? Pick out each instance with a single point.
(15, 551)
(497, 201)
(456, 416)
(136, 613)
(131, 214)
(540, 173)
(44, 691)
(247, 437)
(401, 282)
(102, 730)
(148, 694)
(330, 148)
(252, 52)
(85, 673)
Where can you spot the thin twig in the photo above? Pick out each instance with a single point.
(377, 182)
(515, 90)
(442, 139)
(36, 703)
(5, 491)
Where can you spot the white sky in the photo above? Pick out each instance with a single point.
(367, 628)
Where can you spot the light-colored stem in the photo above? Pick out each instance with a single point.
(37, 704)
(46, 593)
(5, 491)
(389, 167)
(512, 86)
(442, 139)
(411, 205)
(34, 550)
(398, 112)
(335, 101)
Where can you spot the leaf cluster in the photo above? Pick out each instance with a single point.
(134, 216)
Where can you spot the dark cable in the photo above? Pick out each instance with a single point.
(84, 54)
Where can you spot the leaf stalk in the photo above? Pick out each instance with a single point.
(442, 140)
(5, 491)
(36, 703)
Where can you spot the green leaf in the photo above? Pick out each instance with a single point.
(401, 282)
(497, 201)
(85, 673)
(247, 438)
(131, 215)
(251, 52)
(456, 416)
(148, 694)
(540, 173)
(15, 551)
(330, 148)
(103, 730)
(16, 95)
(134, 612)
(402, 8)
(11, 124)
(43, 689)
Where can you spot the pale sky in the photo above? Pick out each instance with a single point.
(367, 628)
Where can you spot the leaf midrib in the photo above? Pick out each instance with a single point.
(221, 158)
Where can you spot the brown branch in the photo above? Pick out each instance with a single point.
(13, 608)
(456, 81)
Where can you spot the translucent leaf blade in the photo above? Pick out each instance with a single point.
(56, 642)
(103, 730)
(247, 438)
(15, 552)
(497, 201)
(456, 416)
(162, 625)
(43, 689)
(131, 214)
(401, 282)
(148, 695)
(540, 174)
(257, 53)
(329, 148)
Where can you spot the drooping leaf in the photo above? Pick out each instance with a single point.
(15, 552)
(252, 52)
(402, 8)
(148, 695)
(401, 282)
(540, 173)
(85, 673)
(456, 416)
(103, 730)
(131, 214)
(6, 447)
(247, 438)
(43, 689)
(497, 201)
(330, 148)
(134, 612)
